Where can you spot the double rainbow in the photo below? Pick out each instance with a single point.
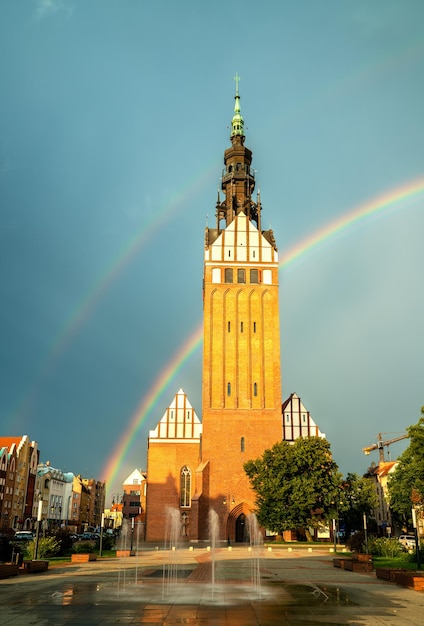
(394, 199)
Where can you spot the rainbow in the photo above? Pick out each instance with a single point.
(78, 317)
(392, 199)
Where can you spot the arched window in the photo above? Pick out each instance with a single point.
(185, 486)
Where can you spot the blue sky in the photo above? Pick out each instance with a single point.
(113, 121)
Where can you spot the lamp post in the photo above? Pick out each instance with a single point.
(102, 523)
(365, 533)
(37, 533)
(417, 543)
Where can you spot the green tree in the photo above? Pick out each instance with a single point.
(406, 484)
(296, 485)
(357, 496)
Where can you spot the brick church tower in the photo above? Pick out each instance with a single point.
(241, 406)
(195, 465)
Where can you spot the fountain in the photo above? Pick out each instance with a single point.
(256, 544)
(213, 524)
(172, 539)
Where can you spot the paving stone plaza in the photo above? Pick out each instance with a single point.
(196, 586)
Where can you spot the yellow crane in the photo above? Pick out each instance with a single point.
(380, 445)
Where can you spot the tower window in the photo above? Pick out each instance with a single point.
(229, 253)
(241, 276)
(254, 276)
(228, 389)
(254, 327)
(185, 486)
(229, 327)
(255, 389)
(253, 253)
(241, 327)
(228, 274)
(242, 444)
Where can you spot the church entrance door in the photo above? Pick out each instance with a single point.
(241, 528)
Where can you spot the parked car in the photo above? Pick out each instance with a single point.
(408, 541)
(23, 535)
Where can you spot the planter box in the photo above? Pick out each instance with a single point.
(6, 570)
(121, 553)
(362, 558)
(354, 565)
(411, 579)
(386, 573)
(83, 558)
(32, 567)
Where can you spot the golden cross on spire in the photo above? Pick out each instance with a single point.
(237, 79)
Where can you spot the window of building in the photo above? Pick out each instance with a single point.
(241, 327)
(188, 416)
(242, 444)
(229, 327)
(228, 274)
(228, 389)
(254, 276)
(185, 486)
(255, 389)
(304, 418)
(254, 253)
(254, 327)
(172, 415)
(241, 276)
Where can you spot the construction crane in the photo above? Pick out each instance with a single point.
(380, 445)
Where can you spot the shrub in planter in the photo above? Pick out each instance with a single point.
(356, 542)
(83, 548)
(47, 547)
(385, 546)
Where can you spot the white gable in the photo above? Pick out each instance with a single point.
(297, 421)
(135, 478)
(178, 422)
(241, 242)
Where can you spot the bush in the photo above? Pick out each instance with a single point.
(47, 547)
(107, 542)
(385, 546)
(66, 544)
(356, 542)
(83, 548)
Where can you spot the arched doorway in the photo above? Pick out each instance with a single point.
(241, 528)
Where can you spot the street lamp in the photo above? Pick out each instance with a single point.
(37, 534)
(417, 543)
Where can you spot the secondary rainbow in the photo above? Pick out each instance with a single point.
(395, 198)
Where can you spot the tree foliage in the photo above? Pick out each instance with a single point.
(406, 484)
(357, 496)
(296, 484)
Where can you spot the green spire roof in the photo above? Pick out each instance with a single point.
(237, 124)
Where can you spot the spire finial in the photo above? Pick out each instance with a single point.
(237, 79)
(237, 124)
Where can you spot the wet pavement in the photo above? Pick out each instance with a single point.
(293, 588)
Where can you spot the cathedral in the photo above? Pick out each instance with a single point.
(196, 464)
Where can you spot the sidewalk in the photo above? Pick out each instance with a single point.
(281, 588)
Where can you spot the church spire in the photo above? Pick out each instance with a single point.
(237, 124)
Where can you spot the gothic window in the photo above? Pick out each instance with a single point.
(241, 276)
(228, 274)
(228, 389)
(254, 276)
(242, 444)
(185, 486)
